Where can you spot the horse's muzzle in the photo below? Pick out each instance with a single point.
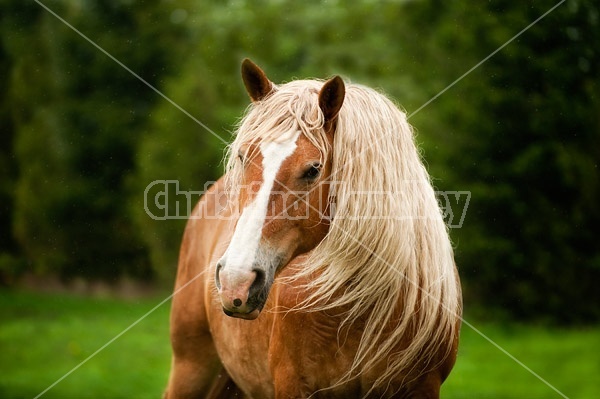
(243, 294)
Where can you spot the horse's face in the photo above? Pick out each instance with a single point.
(284, 206)
(285, 190)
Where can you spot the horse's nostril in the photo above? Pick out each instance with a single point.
(258, 283)
(217, 279)
(237, 302)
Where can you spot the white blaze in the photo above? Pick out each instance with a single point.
(244, 244)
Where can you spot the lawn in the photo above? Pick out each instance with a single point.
(43, 336)
(567, 359)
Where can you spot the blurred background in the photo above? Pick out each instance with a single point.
(81, 138)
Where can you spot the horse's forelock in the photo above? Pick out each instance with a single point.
(292, 108)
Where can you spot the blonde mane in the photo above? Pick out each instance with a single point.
(387, 260)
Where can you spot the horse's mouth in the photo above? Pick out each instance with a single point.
(246, 316)
(248, 312)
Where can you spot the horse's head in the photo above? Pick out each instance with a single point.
(283, 189)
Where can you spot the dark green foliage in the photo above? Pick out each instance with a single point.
(75, 117)
(521, 135)
(82, 138)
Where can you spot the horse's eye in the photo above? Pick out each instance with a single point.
(312, 172)
(241, 158)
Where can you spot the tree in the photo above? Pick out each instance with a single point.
(77, 116)
(521, 134)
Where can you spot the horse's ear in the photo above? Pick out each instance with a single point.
(256, 82)
(331, 98)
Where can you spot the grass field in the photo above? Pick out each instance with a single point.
(43, 336)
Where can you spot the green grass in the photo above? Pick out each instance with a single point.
(567, 359)
(42, 337)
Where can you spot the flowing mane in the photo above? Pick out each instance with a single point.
(387, 258)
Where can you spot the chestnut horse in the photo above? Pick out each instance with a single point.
(320, 264)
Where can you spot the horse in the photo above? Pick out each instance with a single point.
(319, 265)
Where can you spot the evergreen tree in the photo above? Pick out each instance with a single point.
(521, 134)
(77, 116)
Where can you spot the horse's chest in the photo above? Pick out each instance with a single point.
(313, 349)
(289, 352)
(243, 350)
